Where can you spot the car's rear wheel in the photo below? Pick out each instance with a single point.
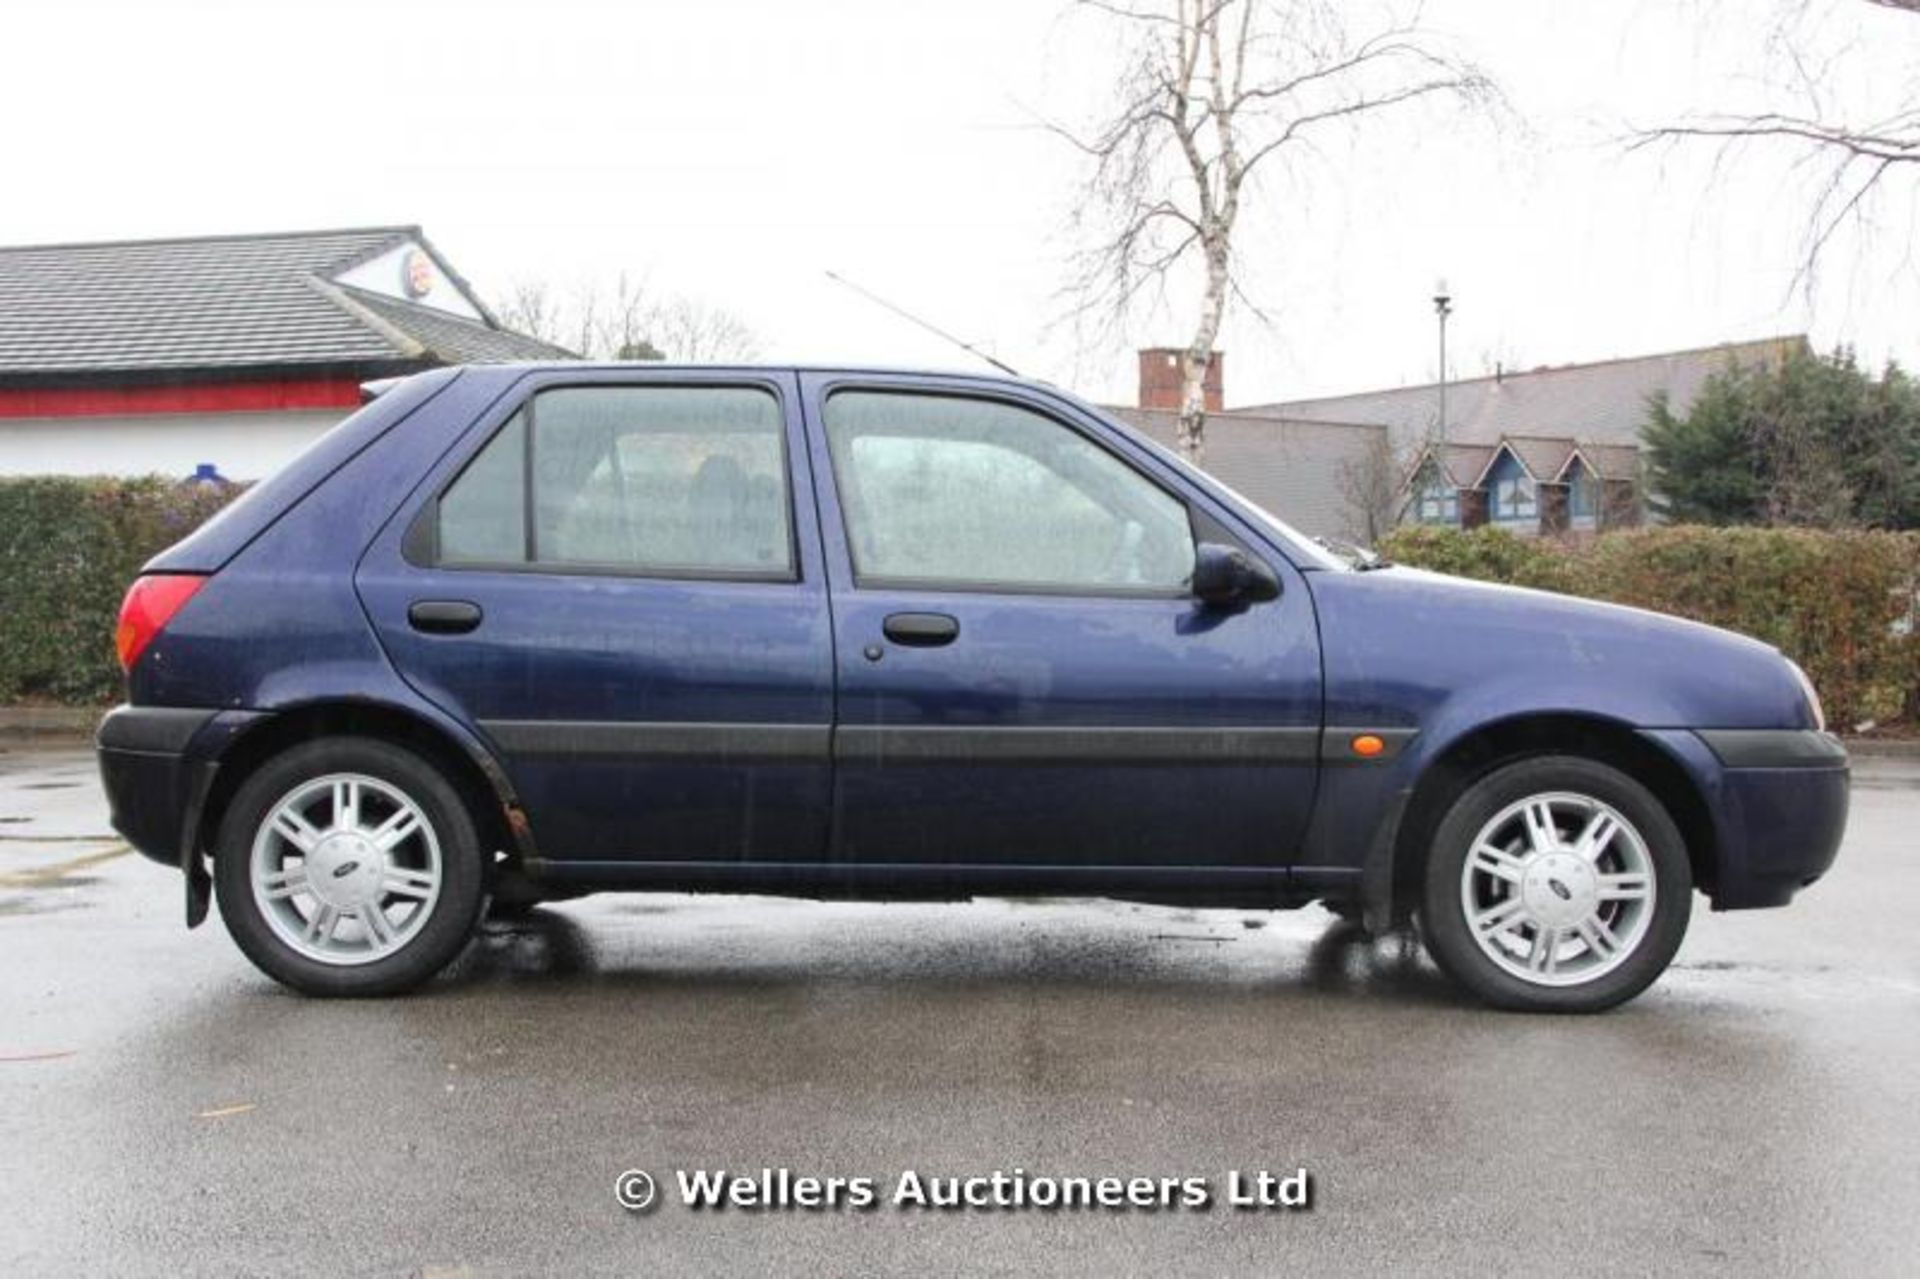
(349, 866)
(1556, 884)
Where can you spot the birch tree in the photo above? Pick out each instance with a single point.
(1211, 96)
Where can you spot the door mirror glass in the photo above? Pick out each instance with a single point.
(1226, 575)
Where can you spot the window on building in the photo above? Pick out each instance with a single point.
(673, 480)
(976, 493)
(1510, 492)
(1436, 500)
(1583, 495)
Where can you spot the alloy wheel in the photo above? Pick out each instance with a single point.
(346, 869)
(1558, 889)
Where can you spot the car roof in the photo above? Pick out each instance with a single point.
(662, 366)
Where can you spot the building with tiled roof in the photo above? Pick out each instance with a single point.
(1526, 484)
(1552, 449)
(229, 353)
(1306, 472)
(1604, 402)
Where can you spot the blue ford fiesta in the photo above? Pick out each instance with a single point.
(518, 633)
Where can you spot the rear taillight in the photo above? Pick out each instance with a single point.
(150, 604)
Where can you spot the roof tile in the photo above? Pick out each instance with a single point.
(227, 302)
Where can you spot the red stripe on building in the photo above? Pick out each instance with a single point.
(204, 397)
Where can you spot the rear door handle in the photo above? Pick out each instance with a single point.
(921, 630)
(443, 617)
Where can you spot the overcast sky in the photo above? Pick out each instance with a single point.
(736, 151)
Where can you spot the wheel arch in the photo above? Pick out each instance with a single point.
(498, 817)
(1482, 749)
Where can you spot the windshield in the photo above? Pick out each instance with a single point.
(1306, 552)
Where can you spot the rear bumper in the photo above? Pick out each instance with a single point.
(1779, 802)
(153, 784)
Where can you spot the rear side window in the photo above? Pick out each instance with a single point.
(947, 491)
(669, 480)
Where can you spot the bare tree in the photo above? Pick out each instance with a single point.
(626, 321)
(614, 323)
(529, 307)
(1370, 485)
(585, 321)
(1212, 95)
(1853, 157)
(691, 330)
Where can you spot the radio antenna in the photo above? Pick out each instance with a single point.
(911, 318)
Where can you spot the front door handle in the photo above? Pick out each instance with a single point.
(443, 617)
(921, 630)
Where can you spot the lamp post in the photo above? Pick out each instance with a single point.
(1443, 307)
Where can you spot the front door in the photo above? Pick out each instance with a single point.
(1024, 677)
(610, 580)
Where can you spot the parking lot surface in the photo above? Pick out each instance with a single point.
(168, 1108)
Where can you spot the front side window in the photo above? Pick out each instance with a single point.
(944, 490)
(671, 480)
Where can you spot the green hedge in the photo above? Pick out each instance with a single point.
(69, 546)
(1840, 604)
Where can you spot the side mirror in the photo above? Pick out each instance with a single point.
(1226, 575)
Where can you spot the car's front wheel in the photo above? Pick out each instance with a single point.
(1556, 884)
(348, 866)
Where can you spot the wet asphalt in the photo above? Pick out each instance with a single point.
(168, 1109)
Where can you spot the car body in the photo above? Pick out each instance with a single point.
(830, 632)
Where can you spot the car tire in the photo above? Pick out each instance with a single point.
(1556, 884)
(349, 866)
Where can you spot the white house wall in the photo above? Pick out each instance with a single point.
(244, 446)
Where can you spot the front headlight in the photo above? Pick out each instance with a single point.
(1813, 696)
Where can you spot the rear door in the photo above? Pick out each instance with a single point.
(1024, 677)
(610, 580)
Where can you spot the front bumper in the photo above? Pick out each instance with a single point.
(1779, 804)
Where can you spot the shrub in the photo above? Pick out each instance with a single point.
(1490, 554)
(1840, 604)
(1811, 441)
(69, 547)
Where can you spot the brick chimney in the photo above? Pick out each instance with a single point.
(1160, 379)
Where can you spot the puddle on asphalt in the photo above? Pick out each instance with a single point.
(29, 904)
(1735, 966)
(61, 881)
